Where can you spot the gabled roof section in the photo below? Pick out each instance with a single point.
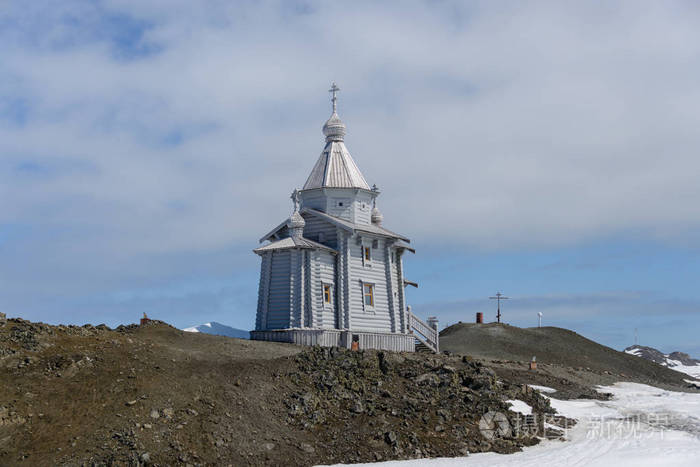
(404, 246)
(292, 242)
(353, 227)
(335, 168)
(272, 232)
(343, 224)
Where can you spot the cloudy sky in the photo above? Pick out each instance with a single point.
(549, 150)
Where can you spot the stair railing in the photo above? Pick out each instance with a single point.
(424, 333)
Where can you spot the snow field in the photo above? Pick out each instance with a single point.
(641, 426)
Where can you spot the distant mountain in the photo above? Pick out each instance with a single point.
(648, 353)
(219, 330)
(678, 361)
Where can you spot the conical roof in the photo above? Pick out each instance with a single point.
(335, 167)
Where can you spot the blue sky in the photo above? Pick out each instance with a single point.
(545, 149)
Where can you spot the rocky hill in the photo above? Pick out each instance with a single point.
(647, 353)
(683, 358)
(152, 394)
(560, 352)
(677, 361)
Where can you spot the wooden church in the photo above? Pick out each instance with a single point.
(332, 274)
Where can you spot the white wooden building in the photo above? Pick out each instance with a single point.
(332, 274)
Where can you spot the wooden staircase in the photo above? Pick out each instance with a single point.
(427, 338)
(422, 348)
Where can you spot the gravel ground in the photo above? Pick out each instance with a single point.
(154, 395)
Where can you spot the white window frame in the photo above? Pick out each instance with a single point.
(365, 307)
(323, 295)
(366, 262)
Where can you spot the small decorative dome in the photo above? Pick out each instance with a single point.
(377, 216)
(334, 129)
(296, 221)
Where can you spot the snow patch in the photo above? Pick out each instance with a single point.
(542, 388)
(520, 407)
(219, 329)
(693, 371)
(694, 383)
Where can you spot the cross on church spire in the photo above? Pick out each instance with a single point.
(333, 90)
(295, 199)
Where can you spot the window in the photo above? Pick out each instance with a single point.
(368, 290)
(367, 256)
(341, 203)
(326, 293)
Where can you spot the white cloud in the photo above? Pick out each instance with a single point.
(488, 125)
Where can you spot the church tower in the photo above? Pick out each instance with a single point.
(332, 274)
(336, 185)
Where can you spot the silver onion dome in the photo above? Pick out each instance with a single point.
(377, 216)
(296, 223)
(334, 129)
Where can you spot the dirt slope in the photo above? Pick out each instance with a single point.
(156, 395)
(556, 347)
